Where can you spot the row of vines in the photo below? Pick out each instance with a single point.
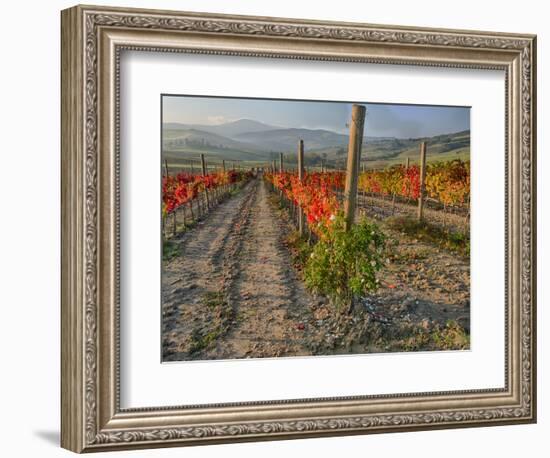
(180, 189)
(446, 182)
(314, 195)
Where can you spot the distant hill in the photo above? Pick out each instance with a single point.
(229, 129)
(249, 140)
(176, 139)
(287, 139)
(381, 152)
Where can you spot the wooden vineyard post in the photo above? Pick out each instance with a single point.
(354, 157)
(422, 180)
(301, 177)
(224, 189)
(203, 165)
(281, 170)
(204, 173)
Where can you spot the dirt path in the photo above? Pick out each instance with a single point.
(194, 277)
(233, 293)
(271, 303)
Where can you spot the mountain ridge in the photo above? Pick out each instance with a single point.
(227, 129)
(265, 142)
(263, 127)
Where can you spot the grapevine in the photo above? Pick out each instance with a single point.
(179, 189)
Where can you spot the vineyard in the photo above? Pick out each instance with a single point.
(446, 182)
(268, 261)
(319, 194)
(395, 287)
(192, 195)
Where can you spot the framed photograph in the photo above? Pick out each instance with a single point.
(278, 228)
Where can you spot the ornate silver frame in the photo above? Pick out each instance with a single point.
(92, 39)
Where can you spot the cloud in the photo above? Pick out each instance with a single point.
(218, 119)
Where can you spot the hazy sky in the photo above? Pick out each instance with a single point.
(383, 120)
